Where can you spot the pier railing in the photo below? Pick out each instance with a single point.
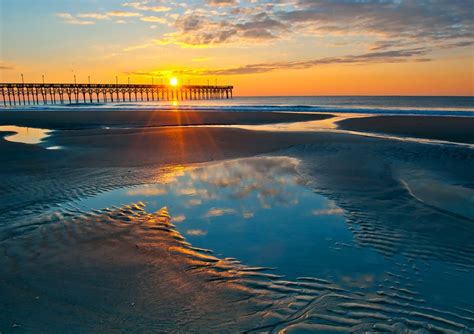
(50, 93)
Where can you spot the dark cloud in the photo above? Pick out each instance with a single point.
(5, 66)
(415, 21)
(417, 54)
(393, 23)
(200, 29)
(399, 56)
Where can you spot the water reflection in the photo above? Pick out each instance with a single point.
(353, 259)
(259, 211)
(24, 135)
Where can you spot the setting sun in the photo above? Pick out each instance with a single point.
(174, 82)
(287, 165)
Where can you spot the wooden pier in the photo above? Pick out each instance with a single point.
(36, 93)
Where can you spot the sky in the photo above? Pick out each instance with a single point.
(281, 47)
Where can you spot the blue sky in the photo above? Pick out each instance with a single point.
(238, 39)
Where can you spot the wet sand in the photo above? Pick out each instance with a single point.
(80, 119)
(456, 129)
(122, 269)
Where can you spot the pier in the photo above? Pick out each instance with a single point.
(49, 93)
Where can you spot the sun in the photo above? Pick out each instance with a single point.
(174, 82)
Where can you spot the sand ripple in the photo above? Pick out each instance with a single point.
(123, 269)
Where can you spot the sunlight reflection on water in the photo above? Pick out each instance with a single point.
(257, 210)
(25, 135)
(369, 259)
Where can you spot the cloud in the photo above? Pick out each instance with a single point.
(96, 16)
(222, 3)
(121, 13)
(390, 24)
(202, 29)
(432, 21)
(389, 56)
(144, 5)
(154, 19)
(396, 56)
(70, 19)
(80, 18)
(6, 66)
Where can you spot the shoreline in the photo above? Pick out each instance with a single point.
(457, 129)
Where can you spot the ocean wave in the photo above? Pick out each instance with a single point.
(467, 112)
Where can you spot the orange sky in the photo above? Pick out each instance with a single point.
(291, 48)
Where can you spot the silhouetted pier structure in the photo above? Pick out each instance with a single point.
(39, 93)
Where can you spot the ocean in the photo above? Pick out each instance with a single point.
(398, 105)
(340, 232)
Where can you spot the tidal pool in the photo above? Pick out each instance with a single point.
(259, 211)
(24, 134)
(261, 236)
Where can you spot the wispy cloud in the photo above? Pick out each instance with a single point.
(223, 3)
(6, 66)
(122, 13)
(91, 17)
(154, 19)
(395, 56)
(70, 19)
(95, 16)
(145, 6)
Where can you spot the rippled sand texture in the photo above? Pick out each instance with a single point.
(123, 269)
(117, 269)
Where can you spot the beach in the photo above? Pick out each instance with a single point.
(393, 192)
(227, 166)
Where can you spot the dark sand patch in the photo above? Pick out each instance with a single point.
(80, 119)
(455, 129)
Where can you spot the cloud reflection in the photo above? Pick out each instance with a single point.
(265, 178)
(178, 219)
(216, 212)
(196, 232)
(147, 191)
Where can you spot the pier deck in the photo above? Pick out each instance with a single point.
(51, 93)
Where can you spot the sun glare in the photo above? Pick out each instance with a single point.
(174, 82)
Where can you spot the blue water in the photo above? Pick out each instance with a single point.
(259, 211)
(399, 105)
